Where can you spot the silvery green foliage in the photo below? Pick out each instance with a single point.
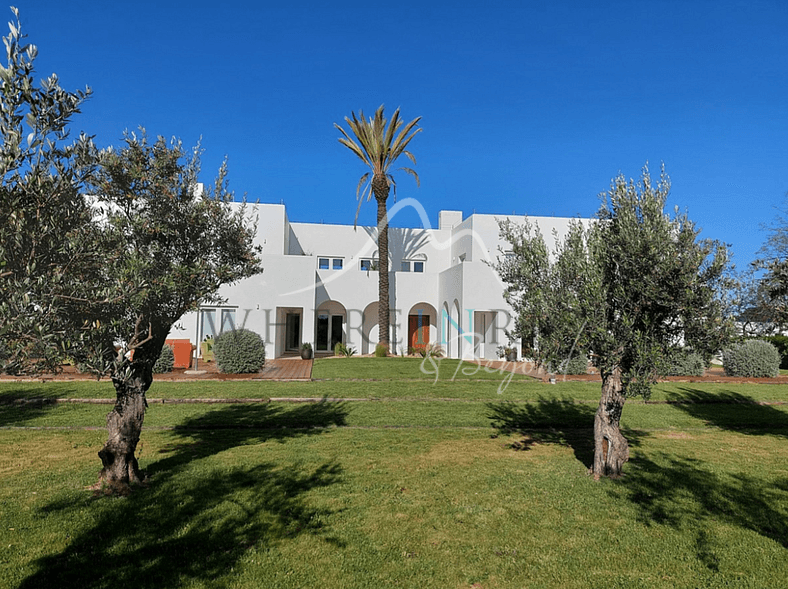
(82, 276)
(574, 365)
(754, 358)
(628, 287)
(45, 225)
(685, 362)
(239, 351)
(165, 362)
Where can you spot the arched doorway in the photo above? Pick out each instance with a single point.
(329, 326)
(369, 328)
(455, 330)
(422, 326)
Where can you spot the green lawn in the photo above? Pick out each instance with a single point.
(421, 484)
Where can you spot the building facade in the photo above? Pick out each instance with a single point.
(320, 285)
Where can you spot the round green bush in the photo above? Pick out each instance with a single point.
(381, 351)
(685, 362)
(575, 365)
(166, 360)
(751, 358)
(781, 343)
(239, 351)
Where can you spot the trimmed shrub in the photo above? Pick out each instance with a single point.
(781, 343)
(341, 349)
(576, 365)
(685, 362)
(239, 351)
(751, 358)
(427, 351)
(166, 360)
(381, 351)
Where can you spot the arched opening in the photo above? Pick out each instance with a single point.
(369, 328)
(455, 329)
(330, 325)
(446, 329)
(422, 326)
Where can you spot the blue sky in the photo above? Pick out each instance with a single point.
(527, 107)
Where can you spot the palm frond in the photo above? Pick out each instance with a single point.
(352, 146)
(363, 179)
(378, 142)
(360, 197)
(412, 173)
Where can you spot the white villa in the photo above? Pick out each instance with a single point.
(320, 285)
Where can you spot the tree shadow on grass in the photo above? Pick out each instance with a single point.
(684, 494)
(20, 404)
(553, 421)
(732, 411)
(201, 513)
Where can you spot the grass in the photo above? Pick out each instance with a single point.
(397, 368)
(428, 485)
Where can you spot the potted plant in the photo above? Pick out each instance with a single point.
(206, 349)
(306, 351)
(509, 353)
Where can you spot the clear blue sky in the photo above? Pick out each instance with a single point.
(526, 106)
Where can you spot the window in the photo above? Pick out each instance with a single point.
(209, 325)
(228, 320)
(369, 265)
(412, 266)
(332, 263)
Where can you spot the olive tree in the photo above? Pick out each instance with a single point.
(102, 252)
(772, 266)
(627, 289)
(173, 246)
(46, 227)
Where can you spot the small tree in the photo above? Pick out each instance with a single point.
(771, 310)
(173, 247)
(102, 280)
(628, 288)
(753, 304)
(45, 226)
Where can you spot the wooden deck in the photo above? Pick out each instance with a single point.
(286, 369)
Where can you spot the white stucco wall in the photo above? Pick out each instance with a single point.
(450, 292)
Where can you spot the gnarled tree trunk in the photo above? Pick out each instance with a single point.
(611, 449)
(124, 423)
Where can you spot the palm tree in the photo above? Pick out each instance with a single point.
(379, 143)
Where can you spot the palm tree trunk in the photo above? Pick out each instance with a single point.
(383, 270)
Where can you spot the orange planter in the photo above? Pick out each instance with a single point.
(183, 352)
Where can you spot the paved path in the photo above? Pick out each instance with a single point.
(286, 369)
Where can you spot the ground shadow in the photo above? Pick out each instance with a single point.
(731, 411)
(21, 404)
(684, 494)
(553, 421)
(198, 516)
